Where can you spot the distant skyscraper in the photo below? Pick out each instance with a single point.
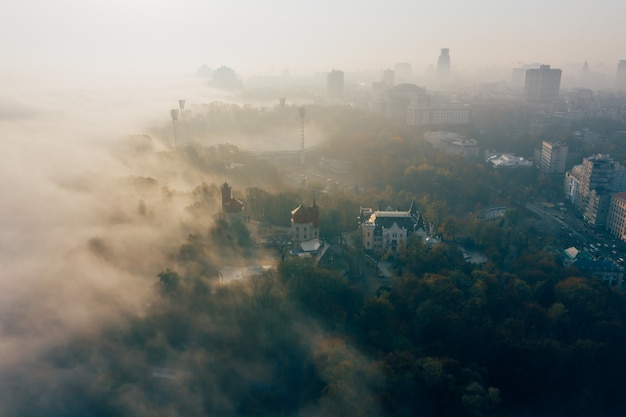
(443, 64)
(542, 85)
(519, 74)
(389, 78)
(334, 84)
(404, 72)
(620, 78)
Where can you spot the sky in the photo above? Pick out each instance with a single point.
(267, 37)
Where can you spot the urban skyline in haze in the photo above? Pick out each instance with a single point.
(267, 38)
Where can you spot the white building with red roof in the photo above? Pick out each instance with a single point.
(305, 223)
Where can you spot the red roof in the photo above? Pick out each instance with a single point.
(302, 215)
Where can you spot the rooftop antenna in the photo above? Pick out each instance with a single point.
(174, 114)
(301, 113)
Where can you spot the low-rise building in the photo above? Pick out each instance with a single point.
(388, 230)
(507, 160)
(604, 270)
(453, 143)
(305, 223)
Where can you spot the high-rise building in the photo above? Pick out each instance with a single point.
(404, 72)
(553, 157)
(620, 77)
(589, 186)
(616, 223)
(542, 85)
(519, 74)
(389, 78)
(443, 64)
(334, 84)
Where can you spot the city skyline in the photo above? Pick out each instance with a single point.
(271, 37)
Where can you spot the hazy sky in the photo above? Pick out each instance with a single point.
(267, 37)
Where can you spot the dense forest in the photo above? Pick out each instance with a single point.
(447, 339)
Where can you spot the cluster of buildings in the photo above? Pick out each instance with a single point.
(597, 189)
(409, 104)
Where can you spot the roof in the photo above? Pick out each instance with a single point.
(621, 196)
(310, 245)
(386, 219)
(509, 160)
(303, 215)
(571, 252)
(233, 205)
(588, 265)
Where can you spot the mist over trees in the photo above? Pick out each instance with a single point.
(160, 333)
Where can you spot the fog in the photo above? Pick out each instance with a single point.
(83, 231)
(95, 205)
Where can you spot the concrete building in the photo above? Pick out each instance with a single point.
(442, 115)
(590, 185)
(572, 183)
(620, 76)
(403, 72)
(335, 84)
(553, 157)
(616, 224)
(394, 102)
(388, 230)
(443, 64)
(389, 78)
(597, 209)
(542, 85)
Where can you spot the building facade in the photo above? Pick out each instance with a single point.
(553, 157)
(335, 84)
(616, 223)
(443, 64)
(542, 85)
(305, 223)
(426, 115)
(620, 76)
(388, 230)
(589, 187)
